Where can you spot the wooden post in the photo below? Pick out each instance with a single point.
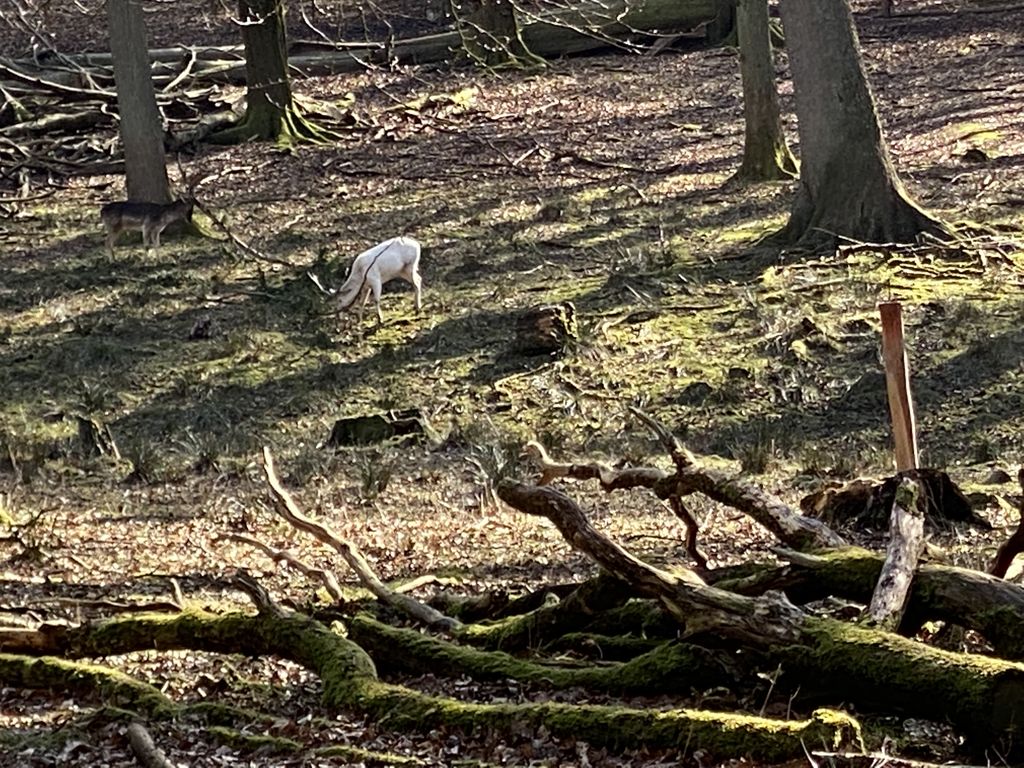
(897, 383)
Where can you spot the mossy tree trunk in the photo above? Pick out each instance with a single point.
(765, 154)
(848, 186)
(270, 110)
(491, 34)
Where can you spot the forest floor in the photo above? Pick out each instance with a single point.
(601, 180)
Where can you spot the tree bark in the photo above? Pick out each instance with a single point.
(141, 124)
(848, 186)
(270, 111)
(765, 154)
(906, 544)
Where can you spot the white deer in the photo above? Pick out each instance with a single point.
(397, 257)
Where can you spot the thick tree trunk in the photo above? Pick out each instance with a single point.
(765, 154)
(268, 96)
(848, 186)
(270, 111)
(491, 34)
(141, 126)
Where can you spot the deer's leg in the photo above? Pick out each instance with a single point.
(112, 233)
(147, 236)
(417, 283)
(362, 303)
(375, 286)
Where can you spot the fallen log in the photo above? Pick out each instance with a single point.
(670, 668)
(979, 601)
(350, 682)
(581, 28)
(574, 613)
(983, 697)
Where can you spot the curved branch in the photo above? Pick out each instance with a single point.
(289, 510)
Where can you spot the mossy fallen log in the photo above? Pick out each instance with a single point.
(533, 629)
(592, 645)
(114, 687)
(669, 668)
(883, 672)
(350, 682)
(983, 697)
(986, 604)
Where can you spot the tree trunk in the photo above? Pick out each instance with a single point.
(765, 154)
(270, 111)
(269, 94)
(141, 124)
(491, 34)
(848, 186)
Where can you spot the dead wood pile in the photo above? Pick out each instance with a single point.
(672, 632)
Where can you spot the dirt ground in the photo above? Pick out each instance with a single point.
(602, 180)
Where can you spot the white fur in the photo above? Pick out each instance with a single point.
(397, 257)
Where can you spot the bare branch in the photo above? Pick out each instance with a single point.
(327, 578)
(289, 510)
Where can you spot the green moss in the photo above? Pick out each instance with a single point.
(718, 735)
(982, 696)
(365, 756)
(111, 685)
(667, 668)
(250, 742)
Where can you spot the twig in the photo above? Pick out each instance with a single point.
(185, 72)
(327, 578)
(244, 246)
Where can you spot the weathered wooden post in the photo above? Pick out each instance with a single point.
(897, 383)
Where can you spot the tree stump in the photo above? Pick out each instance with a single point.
(377, 427)
(546, 329)
(867, 503)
